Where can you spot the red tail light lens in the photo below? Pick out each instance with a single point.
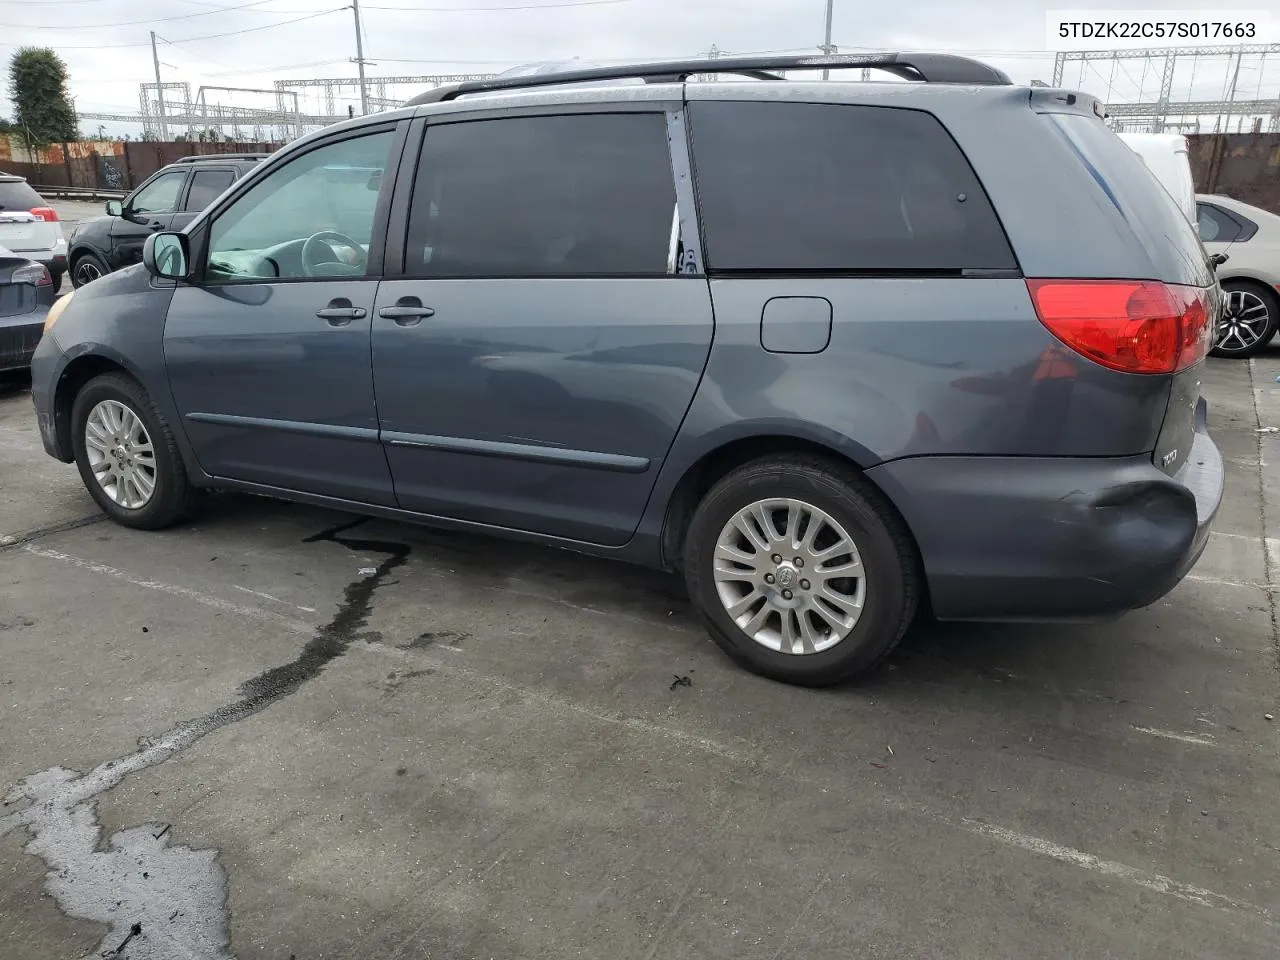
(47, 214)
(1138, 326)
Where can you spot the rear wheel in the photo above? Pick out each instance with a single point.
(87, 268)
(1249, 319)
(56, 277)
(801, 570)
(127, 456)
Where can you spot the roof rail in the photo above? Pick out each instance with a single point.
(927, 67)
(197, 157)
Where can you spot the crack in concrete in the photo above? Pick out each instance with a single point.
(1269, 558)
(177, 894)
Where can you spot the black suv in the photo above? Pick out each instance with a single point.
(168, 200)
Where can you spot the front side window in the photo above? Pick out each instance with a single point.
(161, 194)
(838, 189)
(206, 185)
(575, 195)
(1214, 225)
(310, 218)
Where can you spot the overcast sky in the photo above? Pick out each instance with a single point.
(105, 43)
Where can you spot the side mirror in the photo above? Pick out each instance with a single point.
(115, 208)
(167, 256)
(1218, 259)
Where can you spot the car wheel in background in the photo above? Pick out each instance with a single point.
(56, 277)
(127, 456)
(86, 268)
(801, 570)
(1250, 315)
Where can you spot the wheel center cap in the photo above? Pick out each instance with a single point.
(786, 575)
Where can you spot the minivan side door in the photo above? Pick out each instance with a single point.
(537, 354)
(150, 209)
(267, 350)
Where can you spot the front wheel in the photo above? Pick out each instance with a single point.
(801, 570)
(87, 268)
(1249, 319)
(127, 456)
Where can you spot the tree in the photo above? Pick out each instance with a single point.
(38, 88)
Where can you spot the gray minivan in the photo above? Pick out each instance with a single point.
(837, 352)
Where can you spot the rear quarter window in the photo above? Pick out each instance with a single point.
(838, 188)
(16, 195)
(1137, 197)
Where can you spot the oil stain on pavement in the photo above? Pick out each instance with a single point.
(163, 901)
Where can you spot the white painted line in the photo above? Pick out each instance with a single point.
(1252, 538)
(1120, 871)
(267, 596)
(253, 613)
(563, 704)
(1171, 735)
(1197, 578)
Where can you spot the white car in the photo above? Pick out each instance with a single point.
(1166, 156)
(30, 228)
(1249, 238)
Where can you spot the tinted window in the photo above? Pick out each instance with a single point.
(160, 195)
(1143, 205)
(331, 190)
(206, 185)
(836, 188)
(543, 196)
(16, 195)
(1216, 226)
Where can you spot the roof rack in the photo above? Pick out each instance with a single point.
(197, 157)
(926, 67)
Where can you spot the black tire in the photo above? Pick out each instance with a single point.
(173, 498)
(56, 277)
(1232, 349)
(86, 263)
(887, 552)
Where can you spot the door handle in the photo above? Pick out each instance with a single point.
(407, 312)
(340, 312)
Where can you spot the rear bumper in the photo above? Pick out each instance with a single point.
(1041, 539)
(19, 337)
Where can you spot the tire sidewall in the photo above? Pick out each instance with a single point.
(122, 390)
(878, 628)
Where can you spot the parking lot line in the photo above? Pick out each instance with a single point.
(255, 613)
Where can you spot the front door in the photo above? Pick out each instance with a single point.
(535, 361)
(150, 210)
(268, 352)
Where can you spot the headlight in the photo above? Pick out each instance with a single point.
(56, 311)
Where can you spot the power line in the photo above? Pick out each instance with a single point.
(521, 6)
(133, 23)
(211, 36)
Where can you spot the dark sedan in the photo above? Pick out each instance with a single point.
(26, 294)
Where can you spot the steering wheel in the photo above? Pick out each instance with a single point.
(317, 253)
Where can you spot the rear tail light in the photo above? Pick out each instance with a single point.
(1138, 326)
(35, 273)
(47, 214)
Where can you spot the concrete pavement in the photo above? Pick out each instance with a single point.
(276, 734)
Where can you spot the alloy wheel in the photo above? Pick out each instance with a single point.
(120, 454)
(1245, 320)
(790, 576)
(86, 272)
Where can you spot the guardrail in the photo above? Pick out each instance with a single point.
(78, 193)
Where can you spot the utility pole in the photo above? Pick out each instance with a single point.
(827, 48)
(364, 92)
(155, 59)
